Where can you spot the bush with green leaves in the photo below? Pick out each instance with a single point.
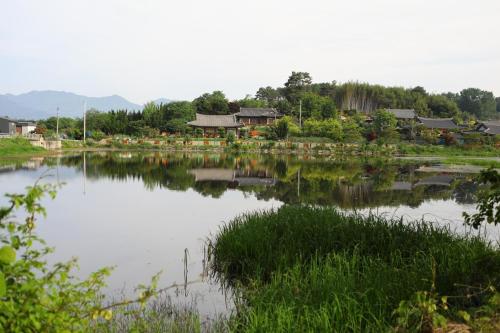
(231, 137)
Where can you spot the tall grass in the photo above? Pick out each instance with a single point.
(316, 269)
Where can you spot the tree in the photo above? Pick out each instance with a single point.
(419, 90)
(152, 115)
(214, 103)
(498, 103)
(249, 102)
(384, 124)
(442, 107)
(488, 201)
(478, 102)
(297, 83)
(268, 94)
(281, 128)
(317, 107)
(351, 131)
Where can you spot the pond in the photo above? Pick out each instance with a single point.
(145, 212)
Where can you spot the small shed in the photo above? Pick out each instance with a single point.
(25, 127)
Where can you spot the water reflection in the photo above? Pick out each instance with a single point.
(143, 212)
(349, 184)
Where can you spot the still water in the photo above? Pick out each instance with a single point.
(144, 212)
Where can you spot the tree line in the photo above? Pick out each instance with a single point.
(317, 102)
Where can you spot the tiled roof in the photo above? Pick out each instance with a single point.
(403, 113)
(490, 127)
(205, 120)
(442, 180)
(439, 123)
(259, 112)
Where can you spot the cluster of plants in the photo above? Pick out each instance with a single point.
(316, 269)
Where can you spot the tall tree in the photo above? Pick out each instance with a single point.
(214, 103)
(478, 102)
(268, 94)
(296, 85)
(442, 107)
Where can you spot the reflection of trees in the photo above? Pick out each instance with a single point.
(352, 183)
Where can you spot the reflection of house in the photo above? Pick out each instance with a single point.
(489, 127)
(438, 123)
(7, 126)
(211, 123)
(230, 176)
(440, 180)
(401, 186)
(258, 116)
(200, 175)
(403, 114)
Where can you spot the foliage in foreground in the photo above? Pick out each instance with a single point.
(489, 201)
(316, 269)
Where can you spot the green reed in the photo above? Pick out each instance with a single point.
(317, 269)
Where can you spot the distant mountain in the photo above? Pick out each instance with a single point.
(43, 104)
(162, 101)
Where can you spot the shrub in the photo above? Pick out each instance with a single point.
(198, 132)
(231, 137)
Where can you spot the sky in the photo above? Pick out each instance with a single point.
(143, 50)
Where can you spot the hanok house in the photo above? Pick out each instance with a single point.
(489, 127)
(258, 116)
(211, 123)
(7, 126)
(403, 114)
(442, 124)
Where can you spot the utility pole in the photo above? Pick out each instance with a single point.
(84, 121)
(300, 113)
(57, 124)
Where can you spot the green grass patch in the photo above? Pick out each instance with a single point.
(436, 150)
(316, 269)
(17, 146)
(471, 161)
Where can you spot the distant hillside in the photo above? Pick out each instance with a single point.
(43, 104)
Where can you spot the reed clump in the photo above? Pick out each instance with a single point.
(317, 269)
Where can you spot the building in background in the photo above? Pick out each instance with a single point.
(7, 126)
(24, 127)
(258, 116)
(210, 124)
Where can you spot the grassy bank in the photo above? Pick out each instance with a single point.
(485, 163)
(447, 151)
(17, 146)
(315, 269)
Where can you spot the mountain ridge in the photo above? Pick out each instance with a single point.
(41, 104)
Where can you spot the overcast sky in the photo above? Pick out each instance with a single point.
(147, 49)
